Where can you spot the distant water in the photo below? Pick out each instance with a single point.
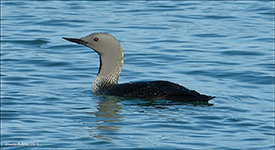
(224, 49)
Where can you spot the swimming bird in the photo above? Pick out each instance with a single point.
(111, 61)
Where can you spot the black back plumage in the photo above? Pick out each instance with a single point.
(157, 90)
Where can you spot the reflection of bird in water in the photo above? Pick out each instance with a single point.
(111, 60)
(109, 109)
(108, 113)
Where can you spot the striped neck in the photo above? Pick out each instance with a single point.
(109, 71)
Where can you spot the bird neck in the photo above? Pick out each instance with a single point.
(109, 71)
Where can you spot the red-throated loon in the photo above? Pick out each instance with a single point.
(111, 60)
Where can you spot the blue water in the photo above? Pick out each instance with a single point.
(223, 49)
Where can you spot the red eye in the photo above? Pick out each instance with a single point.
(95, 39)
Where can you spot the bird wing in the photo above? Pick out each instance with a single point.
(156, 90)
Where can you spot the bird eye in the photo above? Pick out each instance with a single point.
(95, 39)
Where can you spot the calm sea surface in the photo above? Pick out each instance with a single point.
(224, 49)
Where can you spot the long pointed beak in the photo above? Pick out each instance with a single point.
(75, 40)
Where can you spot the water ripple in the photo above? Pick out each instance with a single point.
(239, 52)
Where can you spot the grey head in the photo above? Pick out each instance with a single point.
(111, 58)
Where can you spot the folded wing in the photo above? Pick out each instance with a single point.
(157, 90)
